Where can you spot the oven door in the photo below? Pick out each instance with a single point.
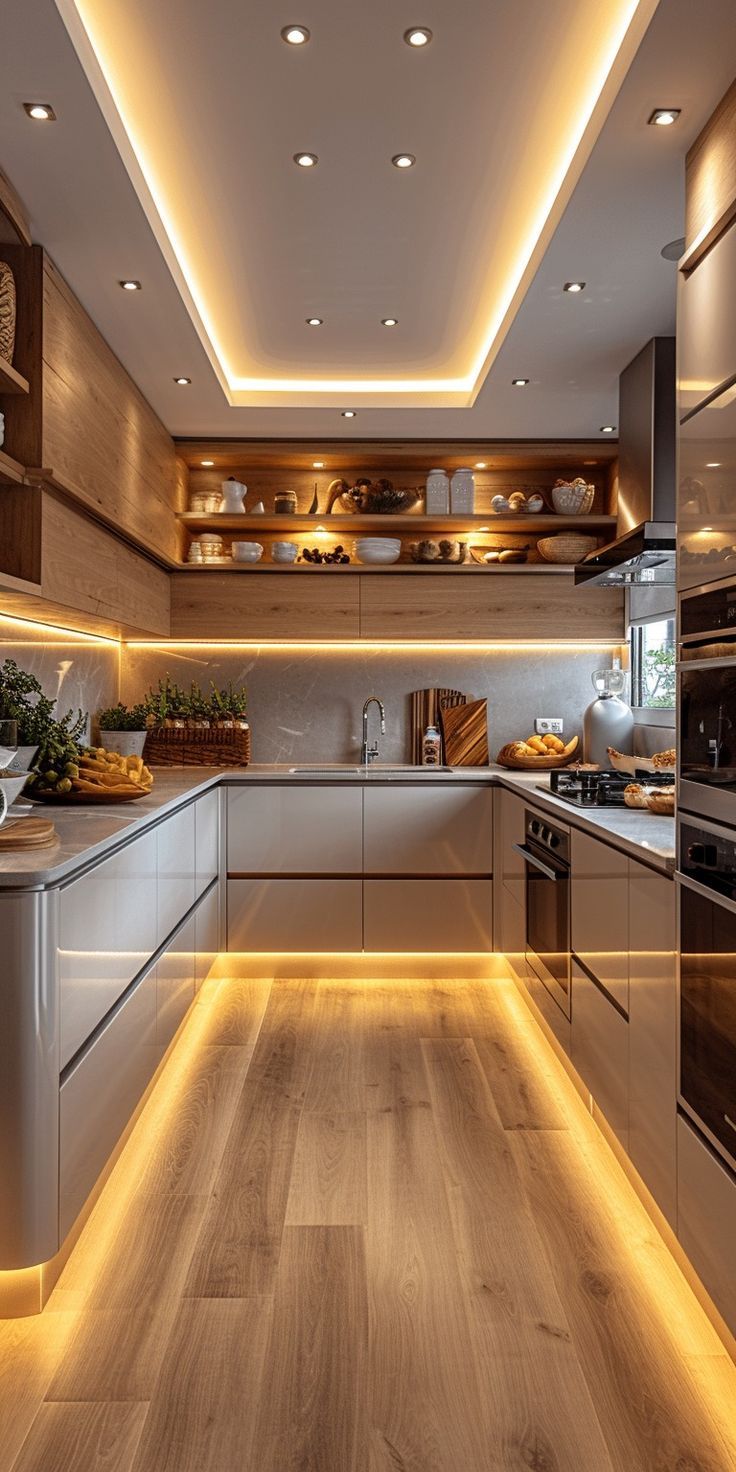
(708, 1013)
(707, 751)
(548, 922)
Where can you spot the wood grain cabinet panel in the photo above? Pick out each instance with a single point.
(84, 566)
(424, 830)
(294, 915)
(600, 1051)
(710, 193)
(600, 913)
(296, 829)
(434, 915)
(208, 605)
(439, 606)
(706, 334)
(706, 1218)
(653, 1034)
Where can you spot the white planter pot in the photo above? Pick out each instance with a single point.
(23, 759)
(126, 743)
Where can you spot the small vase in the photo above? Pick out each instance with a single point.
(233, 497)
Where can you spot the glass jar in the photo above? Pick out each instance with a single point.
(285, 503)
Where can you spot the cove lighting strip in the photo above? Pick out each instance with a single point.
(38, 627)
(385, 646)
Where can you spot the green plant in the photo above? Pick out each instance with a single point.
(123, 718)
(228, 704)
(22, 699)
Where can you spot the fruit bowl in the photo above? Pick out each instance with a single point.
(511, 755)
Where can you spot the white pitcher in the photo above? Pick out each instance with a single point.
(233, 496)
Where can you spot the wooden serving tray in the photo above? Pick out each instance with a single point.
(25, 833)
(109, 794)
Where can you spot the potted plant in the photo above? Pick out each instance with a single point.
(229, 706)
(123, 729)
(22, 699)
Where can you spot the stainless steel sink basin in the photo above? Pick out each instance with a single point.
(375, 769)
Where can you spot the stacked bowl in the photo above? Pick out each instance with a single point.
(379, 550)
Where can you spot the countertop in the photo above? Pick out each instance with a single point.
(86, 834)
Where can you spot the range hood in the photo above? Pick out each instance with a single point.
(644, 549)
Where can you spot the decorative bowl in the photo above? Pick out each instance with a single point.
(13, 786)
(377, 551)
(284, 551)
(573, 498)
(247, 551)
(567, 547)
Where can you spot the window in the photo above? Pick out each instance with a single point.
(653, 658)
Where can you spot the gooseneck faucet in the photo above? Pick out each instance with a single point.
(370, 753)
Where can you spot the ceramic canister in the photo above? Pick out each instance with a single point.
(462, 493)
(437, 495)
(233, 496)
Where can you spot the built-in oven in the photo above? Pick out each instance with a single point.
(707, 704)
(546, 854)
(707, 909)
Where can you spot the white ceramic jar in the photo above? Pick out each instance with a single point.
(233, 497)
(462, 493)
(437, 495)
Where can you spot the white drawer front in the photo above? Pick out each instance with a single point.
(706, 1219)
(420, 830)
(600, 1051)
(427, 914)
(294, 915)
(208, 943)
(295, 830)
(600, 913)
(175, 886)
(206, 839)
(175, 982)
(107, 934)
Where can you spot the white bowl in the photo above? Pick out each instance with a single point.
(284, 551)
(13, 786)
(377, 555)
(247, 551)
(23, 759)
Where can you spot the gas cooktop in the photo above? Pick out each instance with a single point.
(600, 789)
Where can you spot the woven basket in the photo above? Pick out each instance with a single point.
(573, 500)
(566, 547)
(197, 746)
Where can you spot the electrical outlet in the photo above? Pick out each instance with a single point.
(548, 726)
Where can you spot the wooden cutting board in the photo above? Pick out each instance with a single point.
(425, 711)
(465, 731)
(27, 833)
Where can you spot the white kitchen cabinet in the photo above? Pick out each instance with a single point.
(295, 829)
(509, 865)
(422, 914)
(99, 1095)
(107, 932)
(555, 1018)
(653, 1033)
(444, 830)
(600, 913)
(206, 840)
(176, 869)
(706, 326)
(301, 914)
(599, 1048)
(706, 1218)
(208, 941)
(175, 981)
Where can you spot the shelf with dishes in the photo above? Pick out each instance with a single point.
(227, 565)
(405, 523)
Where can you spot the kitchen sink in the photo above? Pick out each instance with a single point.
(379, 768)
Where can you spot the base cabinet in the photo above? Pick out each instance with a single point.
(427, 915)
(208, 939)
(599, 909)
(653, 1034)
(302, 914)
(706, 1218)
(600, 1051)
(175, 982)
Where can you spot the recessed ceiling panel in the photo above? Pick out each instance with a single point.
(208, 107)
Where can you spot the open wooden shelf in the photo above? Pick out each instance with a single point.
(491, 569)
(11, 381)
(11, 472)
(354, 524)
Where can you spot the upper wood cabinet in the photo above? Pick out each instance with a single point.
(710, 203)
(437, 606)
(288, 605)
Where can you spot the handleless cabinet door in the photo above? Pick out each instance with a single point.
(206, 839)
(427, 915)
(176, 860)
(706, 1218)
(512, 830)
(207, 933)
(175, 981)
(294, 915)
(295, 829)
(600, 913)
(107, 932)
(600, 1051)
(653, 1033)
(443, 830)
(706, 515)
(706, 327)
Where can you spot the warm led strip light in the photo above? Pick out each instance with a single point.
(84, 20)
(57, 629)
(385, 646)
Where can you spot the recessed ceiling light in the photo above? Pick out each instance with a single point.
(481, 464)
(41, 112)
(608, 429)
(295, 35)
(306, 160)
(418, 36)
(207, 463)
(574, 286)
(663, 117)
(389, 321)
(348, 413)
(314, 321)
(318, 465)
(403, 160)
(712, 464)
(182, 381)
(520, 382)
(130, 285)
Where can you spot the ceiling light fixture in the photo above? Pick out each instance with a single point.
(130, 285)
(520, 382)
(403, 160)
(182, 381)
(306, 160)
(608, 429)
(41, 112)
(348, 413)
(318, 465)
(207, 464)
(663, 117)
(314, 321)
(418, 36)
(574, 286)
(389, 321)
(295, 35)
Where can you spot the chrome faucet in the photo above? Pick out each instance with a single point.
(369, 753)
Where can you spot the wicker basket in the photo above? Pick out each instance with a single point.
(572, 500)
(198, 746)
(566, 547)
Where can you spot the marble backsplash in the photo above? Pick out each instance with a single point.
(77, 674)
(307, 707)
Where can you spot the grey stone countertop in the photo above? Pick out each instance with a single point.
(86, 834)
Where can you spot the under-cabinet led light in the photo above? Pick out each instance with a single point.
(207, 464)
(348, 413)
(318, 465)
(481, 464)
(37, 626)
(384, 646)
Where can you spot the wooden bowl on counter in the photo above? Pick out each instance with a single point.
(508, 757)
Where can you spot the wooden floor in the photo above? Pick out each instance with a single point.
(366, 1227)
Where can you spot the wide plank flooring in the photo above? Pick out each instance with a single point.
(366, 1226)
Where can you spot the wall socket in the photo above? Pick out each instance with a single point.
(548, 726)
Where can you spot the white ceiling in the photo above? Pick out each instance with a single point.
(371, 247)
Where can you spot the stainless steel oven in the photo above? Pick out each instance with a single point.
(707, 908)
(546, 853)
(707, 687)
